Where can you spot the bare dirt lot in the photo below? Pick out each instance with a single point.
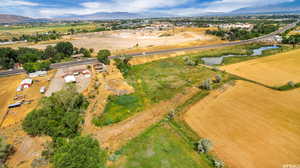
(8, 92)
(251, 126)
(275, 70)
(58, 82)
(128, 41)
(26, 148)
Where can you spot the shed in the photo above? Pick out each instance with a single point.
(43, 89)
(26, 83)
(70, 79)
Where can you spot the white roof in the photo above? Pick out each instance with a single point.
(27, 81)
(70, 78)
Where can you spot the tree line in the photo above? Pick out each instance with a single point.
(34, 59)
(244, 34)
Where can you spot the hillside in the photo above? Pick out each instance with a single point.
(13, 18)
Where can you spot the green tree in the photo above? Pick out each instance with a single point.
(80, 152)
(29, 67)
(103, 56)
(85, 52)
(8, 57)
(50, 52)
(60, 115)
(65, 48)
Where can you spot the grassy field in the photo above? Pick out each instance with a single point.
(160, 147)
(153, 82)
(16, 31)
(250, 125)
(275, 70)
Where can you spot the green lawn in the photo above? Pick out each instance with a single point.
(160, 147)
(153, 82)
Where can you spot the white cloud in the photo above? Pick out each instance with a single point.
(12, 3)
(221, 6)
(133, 6)
(163, 6)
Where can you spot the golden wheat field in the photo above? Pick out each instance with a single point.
(250, 126)
(275, 70)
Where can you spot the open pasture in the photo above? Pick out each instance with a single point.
(276, 70)
(250, 125)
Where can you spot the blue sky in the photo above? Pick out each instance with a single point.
(53, 8)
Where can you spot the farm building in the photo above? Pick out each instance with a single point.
(26, 83)
(37, 73)
(70, 78)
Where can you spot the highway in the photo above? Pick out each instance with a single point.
(94, 60)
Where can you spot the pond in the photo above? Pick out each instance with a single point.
(219, 60)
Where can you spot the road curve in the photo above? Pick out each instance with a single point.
(94, 60)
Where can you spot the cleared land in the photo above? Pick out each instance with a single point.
(275, 70)
(130, 41)
(160, 146)
(250, 125)
(8, 86)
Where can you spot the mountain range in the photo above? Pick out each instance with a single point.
(284, 8)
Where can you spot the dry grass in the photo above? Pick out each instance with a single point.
(275, 70)
(8, 86)
(250, 125)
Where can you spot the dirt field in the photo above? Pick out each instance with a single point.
(58, 82)
(251, 126)
(8, 92)
(26, 148)
(129, 41)
(276, 70)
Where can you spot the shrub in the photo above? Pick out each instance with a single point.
(123, 64)
(103, 56)
(59, 116)
(80, 152)
(5, 151)
(291, 84)
(218, 79)
(218, 163)
(206, 85)
(204, 146)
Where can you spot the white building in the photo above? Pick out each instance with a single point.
(70, 79)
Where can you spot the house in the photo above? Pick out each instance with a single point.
(70, 79)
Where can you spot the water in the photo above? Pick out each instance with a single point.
(219, 60)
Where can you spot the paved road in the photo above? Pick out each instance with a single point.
(93, 60)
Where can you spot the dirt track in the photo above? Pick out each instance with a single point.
(251, 126)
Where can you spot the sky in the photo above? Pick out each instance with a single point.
(55, 8)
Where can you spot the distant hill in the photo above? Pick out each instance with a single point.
(8, 19)
(13, 18)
